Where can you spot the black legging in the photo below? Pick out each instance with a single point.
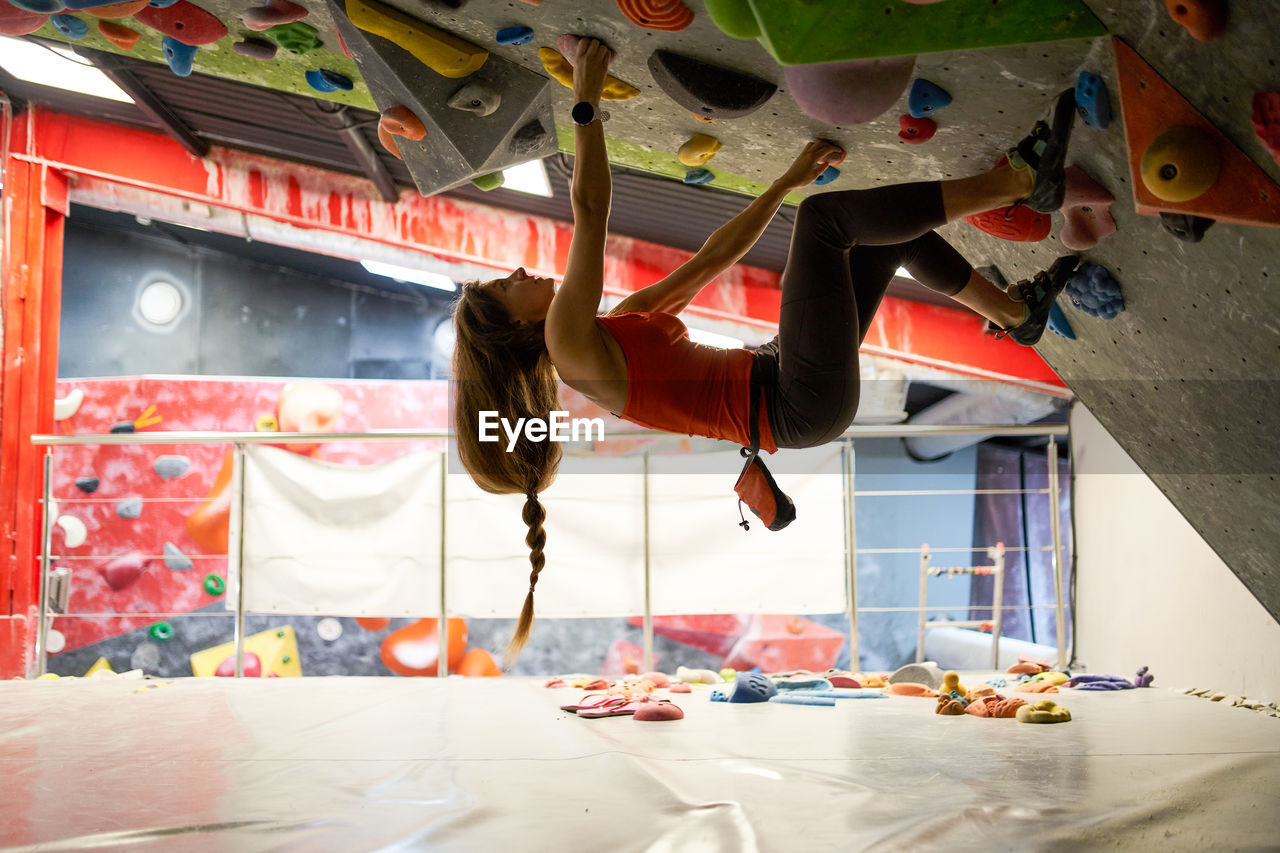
(845, 249)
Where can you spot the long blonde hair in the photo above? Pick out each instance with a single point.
(501, 366)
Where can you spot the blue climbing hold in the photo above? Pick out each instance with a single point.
(719, 696)
(926, 98)
(803, 698)
(1058, 323)
(698, 176)
(123, 426)
(515, 35)
(170, 467)
(1094, 291)
(40, 7)
(77, 5)
(161, 4)
(88, 485)
(753, 687)
(1093, 100)
(70, 26)
(856, 693)
(129, 507)
(828, 175)
(325, 80)
(179, 56)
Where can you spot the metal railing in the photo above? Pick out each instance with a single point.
(239, 440)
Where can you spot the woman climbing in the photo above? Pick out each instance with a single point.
(516, 334)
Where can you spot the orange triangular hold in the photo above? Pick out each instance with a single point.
(1243, 193)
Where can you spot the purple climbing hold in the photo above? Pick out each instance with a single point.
(843, 93)
(170, 467)
(88, 485)
(828, 175)
(129, 507)
(1094, 291)
(179, 56)
(699, 176)
(926, 98)
(515, 35)
(256, 48)
(70, 26)
(325, 80)
(1143, 678)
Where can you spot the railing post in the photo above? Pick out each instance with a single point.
(1055, 525)
(442, 657)
(851, 549)
(46, 542)
(235, 552)
(648, 611)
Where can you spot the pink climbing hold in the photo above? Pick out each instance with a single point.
(916, 130)
(1266, 120)
(252, 666)
(843, 93)
(19, 22)
(681, 687)
(123, 571)
(1087, 209)
(342, 45)
(658, 711)
(184, 22)
(276, 12)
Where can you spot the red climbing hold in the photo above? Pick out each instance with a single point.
(119, 35)
(1266, 120)
(669, 15)
(252, 667)
(19, 22)
(342, 45)
(1204, 19)
(388, 140)
(401, 121)
(184, 22)
(276, 12)
(916, 130)
(1018, 224)
(123, 571)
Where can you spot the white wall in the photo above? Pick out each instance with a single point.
(1150, 591)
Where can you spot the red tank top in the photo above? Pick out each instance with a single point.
(676, 385)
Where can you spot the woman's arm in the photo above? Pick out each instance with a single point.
(573, 338)
(731, 241)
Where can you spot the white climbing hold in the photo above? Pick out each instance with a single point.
(329, 629)
(171, 467)
(130, 507)
(54, 641)
(68, 405)
(175, 560)
(73, 531)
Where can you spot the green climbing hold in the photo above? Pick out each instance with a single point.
(491, 181)
(296, 38)
(734, 18)
(214, 585)
(161, 631)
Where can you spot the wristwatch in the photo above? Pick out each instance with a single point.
(584, 113)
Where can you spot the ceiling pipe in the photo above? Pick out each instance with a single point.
(997, 407)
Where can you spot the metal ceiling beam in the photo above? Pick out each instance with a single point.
(147, 101)
(372, 167)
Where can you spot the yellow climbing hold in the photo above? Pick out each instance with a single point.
(950, 682)
(698, 150)
(1054, 678)
(1044, 711)
(560, 69)
(442, 52)
(98, 666)
(48, 676)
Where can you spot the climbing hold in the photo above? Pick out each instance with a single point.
(515, 35)
(414, 650)
(653, 711)
(73, 531)
(161, 631)
(1087, 208)
(170, 467)
(1186, 227)
(1266, 121)
(561, 71)
(921, 673)
(373, 623)
(214, 585)
(911, 688)
(256, 48)
(949, 706)
(699, 176)
(87, 484)
(309, 407)
(1018, 224)
(123, 571)
(1144, 678)
(1181, 164)
(179, 56)
(329, 629)
(752, 687)
(324, 80)
(1044, 711)
(68, 405)
(491, 181)
(1095, 291)
(184, 22)
(1059, 324)
(926, 98)
(442, 52)
(276, 12)
(119, 35)
(478, 663)
(698, 676)
(528, 139)
(734, 18)
(706, 89)
(995, 706)
(20, 21)
(118, 10)
(175, 560)
(251, 666)
(1093, 101)
(342, 45)
(296, 38)
(161, 4)
(828, 175)
(1204, 19)
(698, 150)
(129, 507)
(951, 683)
(70, 26)
(657, 679)
(916, 130)
(400, 121)
(388, 140)
(668, 15)
(475, 97)
(843, 93)
(122, 427)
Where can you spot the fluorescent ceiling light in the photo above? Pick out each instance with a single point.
(528, 177)
(57, 67)
(902, 271)
(429, 279)
(711, 339)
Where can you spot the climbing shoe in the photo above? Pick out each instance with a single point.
(1044, 152)
(1038, 296)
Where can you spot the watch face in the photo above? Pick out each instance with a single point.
(583, 113)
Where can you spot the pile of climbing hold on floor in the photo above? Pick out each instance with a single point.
(1271, 709)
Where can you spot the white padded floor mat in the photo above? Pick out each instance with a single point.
(494, 765)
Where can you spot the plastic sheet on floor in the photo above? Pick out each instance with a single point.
(493, 764)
